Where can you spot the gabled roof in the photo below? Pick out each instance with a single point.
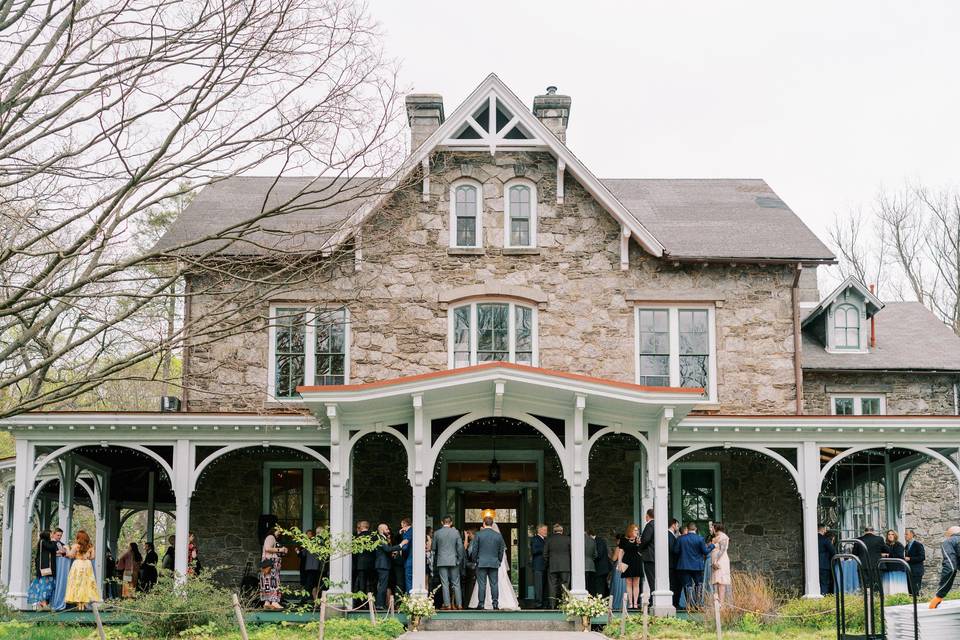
(909, 338)
(492, 86)
(874, 304)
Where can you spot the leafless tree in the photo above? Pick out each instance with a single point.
(110, 112)
(909, 245)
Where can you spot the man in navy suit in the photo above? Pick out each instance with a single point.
(673, 534)
(692, 551)
(915, 555)
(539, 566)
(406, 533)
(825, 553)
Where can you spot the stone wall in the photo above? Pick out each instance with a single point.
(906, 393)
(399, 327)
(381, 491)
(609, 494)
(929, 504)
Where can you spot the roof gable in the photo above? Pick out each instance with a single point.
(490, 94)
(873, 303)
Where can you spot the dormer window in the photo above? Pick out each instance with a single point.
(520, 215)
(846, 327)
(466, 226)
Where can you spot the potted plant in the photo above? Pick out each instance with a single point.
(417, 608)
(583, 609)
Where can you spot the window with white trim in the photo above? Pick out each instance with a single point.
(307, 347)
(466, 224)
(858, 405)
(492, 331)
(676, 347)
(846, 327)
(520, 214)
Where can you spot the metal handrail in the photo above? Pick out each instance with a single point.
(913, 591)
(870, 582)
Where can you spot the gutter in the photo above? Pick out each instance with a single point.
(797, 341)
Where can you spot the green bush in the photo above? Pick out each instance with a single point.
(171, 608)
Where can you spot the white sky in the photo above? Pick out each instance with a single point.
(827, 101)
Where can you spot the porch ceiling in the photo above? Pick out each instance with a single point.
(499, 384)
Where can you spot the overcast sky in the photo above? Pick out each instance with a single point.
(827, 101)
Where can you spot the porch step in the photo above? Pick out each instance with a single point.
(535, 620)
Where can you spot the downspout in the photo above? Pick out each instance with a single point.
(797, 337)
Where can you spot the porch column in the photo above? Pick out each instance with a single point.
(68, 485)
(662, 595)
(419, 483)
(578, 579)
(341, 567)
(151, 504)
(7, 533)
(101, 493)
(809, 496)
(21, 543)
(182, 470)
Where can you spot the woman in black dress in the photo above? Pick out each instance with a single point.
(628, 559)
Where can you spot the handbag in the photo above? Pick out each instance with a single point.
(622, 567)
(45, 572)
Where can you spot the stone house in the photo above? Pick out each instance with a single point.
(510, 331)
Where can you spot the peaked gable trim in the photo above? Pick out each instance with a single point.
(493, 85)
(849, 283)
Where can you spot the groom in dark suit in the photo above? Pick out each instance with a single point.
(487, 549)
(915, 555)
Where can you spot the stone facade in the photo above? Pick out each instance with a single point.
(929, 504)
(400, 328)
(906, 393)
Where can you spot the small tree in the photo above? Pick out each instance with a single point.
(326, 547)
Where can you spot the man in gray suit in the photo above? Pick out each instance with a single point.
(487, 549)
(589, 559)
(556, 553)
(447, 554)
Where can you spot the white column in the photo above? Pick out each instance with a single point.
(182, 470)
(68, 485)
(662, 596)
(577, 452)
(20, 542)
(419, 483)
(7, 533)
(809, 496)
(101, 534)
(151, 504)
(340, 568)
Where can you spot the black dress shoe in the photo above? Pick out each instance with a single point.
(496, 608)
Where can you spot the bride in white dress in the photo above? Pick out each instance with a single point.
(507, 598)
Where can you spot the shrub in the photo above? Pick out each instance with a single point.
(351, 629)
(171, 608)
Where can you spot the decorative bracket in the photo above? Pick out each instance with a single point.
(499, 388)
(624, 248)
(561, 168)
(425, 167)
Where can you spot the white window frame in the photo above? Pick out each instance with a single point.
(677, 469)
(674, 325)
(310, 345)
(520, 182)
(863, 329)
(511, 329)
(858, 399)
(453, 213)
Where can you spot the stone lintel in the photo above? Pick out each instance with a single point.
(521, 251)
(492, 289)
(674, 295)
(466, 251)
(859, 388)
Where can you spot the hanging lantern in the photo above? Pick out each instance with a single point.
(493, 471)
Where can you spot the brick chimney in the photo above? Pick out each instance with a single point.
(424, 115)
(553, 110)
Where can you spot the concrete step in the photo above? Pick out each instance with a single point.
(492, 623)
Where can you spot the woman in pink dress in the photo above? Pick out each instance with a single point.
(720, 561)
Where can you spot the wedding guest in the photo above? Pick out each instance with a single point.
(676, 585)
(488, 548)
(870, 558)
(364, 570)
(589, 559)
(647, 554)
(629, 556)
(81, 583)
(949, 565)
(193, 555)
(63, 563)
(468, 569)
(129, 567)
(309, 568)
(407, 532)
(447, 551)
(915, 554)
(428, 561)
(270, 557)
(602, 565)
(556, 555)
(894, 577)
(383, 562)
(720, 561)
(538, 565)
(691, 553)
(398, 576)
(148, 570)
(618, 584)
(169, 554)
(825, 553)
(42, 586)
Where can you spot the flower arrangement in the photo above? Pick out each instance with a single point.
(583, 609)
(417, 608)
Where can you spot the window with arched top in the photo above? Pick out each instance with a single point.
(846, 327)
(520, 214)
(466, 226)
(492, 331)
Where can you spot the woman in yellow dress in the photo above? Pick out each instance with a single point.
(81, 582)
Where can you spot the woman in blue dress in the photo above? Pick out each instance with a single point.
(618, 584)
(41, 589)
(894, 577)
(63, 570)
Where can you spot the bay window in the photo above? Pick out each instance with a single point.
(492, 331)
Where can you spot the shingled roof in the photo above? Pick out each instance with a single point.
(692, 218)
(909, 338)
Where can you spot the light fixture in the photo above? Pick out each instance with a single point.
(493, 471)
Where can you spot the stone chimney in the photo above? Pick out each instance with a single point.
(425, 115)
(553, 110)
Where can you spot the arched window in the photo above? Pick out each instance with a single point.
(465, 218)
(492, 331)
(520, 215)
(846, 327)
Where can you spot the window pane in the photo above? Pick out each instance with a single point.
(698, 496)
(466, 213)
(492, 332)
(870, 406)
(331, 331)
(520, 233)
(843, 406)
(693, 371)
(461, 336)
(289, 351)
(655, 371)
(523, 320)
(694, 348)
(466, 232)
